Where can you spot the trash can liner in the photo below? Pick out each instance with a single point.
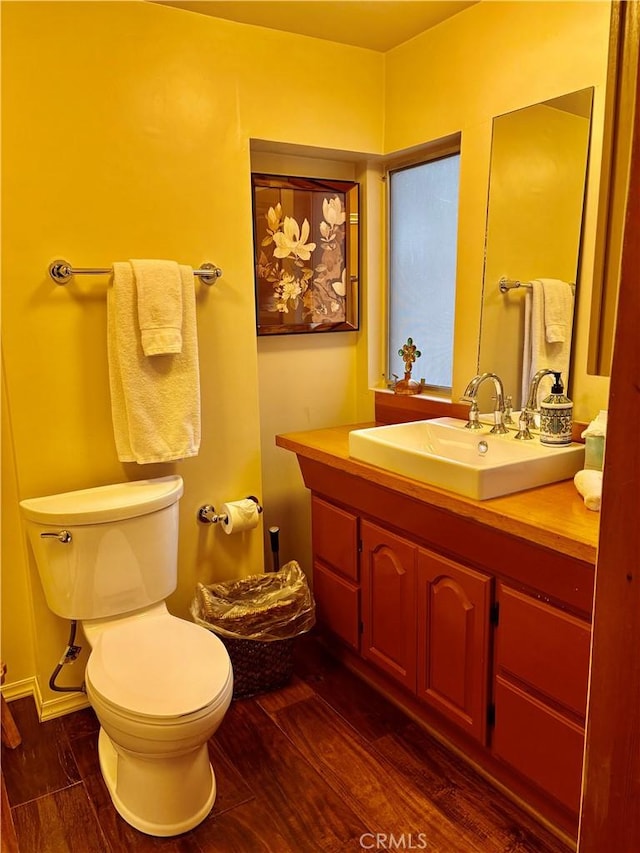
(272, 606)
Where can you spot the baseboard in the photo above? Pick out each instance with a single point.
(66, 704)
(19, 689)
(47, 709)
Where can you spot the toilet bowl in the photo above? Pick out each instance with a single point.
(159, 685)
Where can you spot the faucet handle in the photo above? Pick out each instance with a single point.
(498, 427)
(474, 417)
(523, 433)
(508, 409)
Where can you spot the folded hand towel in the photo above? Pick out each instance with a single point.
(159, 293)
(155, 402)
(558, 309)
(589, 484)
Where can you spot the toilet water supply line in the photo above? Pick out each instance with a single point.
(70, 655)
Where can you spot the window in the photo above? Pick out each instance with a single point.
(423, 227)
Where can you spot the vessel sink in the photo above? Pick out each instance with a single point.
(442, 452)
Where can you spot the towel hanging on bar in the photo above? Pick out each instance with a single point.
(155, 402)
(506, 284)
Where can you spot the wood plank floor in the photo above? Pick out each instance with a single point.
(324, 764)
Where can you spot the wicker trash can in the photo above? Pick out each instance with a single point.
(258, 619)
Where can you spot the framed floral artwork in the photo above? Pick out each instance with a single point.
(306, 254)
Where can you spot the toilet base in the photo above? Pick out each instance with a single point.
(157, 795)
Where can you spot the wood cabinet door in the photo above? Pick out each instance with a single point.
(453, 641)
(337, 604)
(388, 576)
(334, 534)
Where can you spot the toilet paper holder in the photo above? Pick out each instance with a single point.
(207, 514)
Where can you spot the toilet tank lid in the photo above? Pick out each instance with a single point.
(105, 503)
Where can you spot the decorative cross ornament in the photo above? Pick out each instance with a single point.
(408, 353)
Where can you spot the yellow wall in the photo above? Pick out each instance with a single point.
(493, 58)
(304, 382)
(126, 132)
(17, 612)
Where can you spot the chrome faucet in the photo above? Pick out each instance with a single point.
(470, 394)
(531, 406)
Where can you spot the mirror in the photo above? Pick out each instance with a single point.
(534, 219)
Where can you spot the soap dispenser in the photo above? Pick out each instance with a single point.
(556, 416)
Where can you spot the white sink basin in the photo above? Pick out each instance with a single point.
(474, 463)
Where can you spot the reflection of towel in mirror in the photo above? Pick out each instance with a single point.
(548, 320)
(589, 483)
(558, 309)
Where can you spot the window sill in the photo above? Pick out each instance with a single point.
(431, 394)
(393, 408)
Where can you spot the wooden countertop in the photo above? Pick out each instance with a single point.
(553, 516)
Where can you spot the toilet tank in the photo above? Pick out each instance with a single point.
(108, 550)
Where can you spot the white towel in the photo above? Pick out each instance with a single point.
(558, 309)
(538, 351)
(589, 484)
(155, 402)
(159, 290)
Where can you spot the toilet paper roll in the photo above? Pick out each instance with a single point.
(240, 516)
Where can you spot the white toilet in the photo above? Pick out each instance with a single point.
(159, 685)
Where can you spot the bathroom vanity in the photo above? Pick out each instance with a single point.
(473, 615)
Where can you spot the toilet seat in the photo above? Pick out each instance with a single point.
(159, 668)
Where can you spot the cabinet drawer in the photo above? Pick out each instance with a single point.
(337, 605)
(543, 647)
(335, 537)
(540, 743)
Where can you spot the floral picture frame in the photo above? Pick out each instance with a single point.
(306, 254)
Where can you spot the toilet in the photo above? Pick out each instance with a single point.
(160, 686)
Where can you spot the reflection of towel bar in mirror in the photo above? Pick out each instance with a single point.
(62, 272)
(506, 284)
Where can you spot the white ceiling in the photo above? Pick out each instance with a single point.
(376, 24)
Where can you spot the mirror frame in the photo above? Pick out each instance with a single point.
(620, 106)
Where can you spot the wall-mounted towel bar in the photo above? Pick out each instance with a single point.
(509, 284)
(506, 284)
(62, 272)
